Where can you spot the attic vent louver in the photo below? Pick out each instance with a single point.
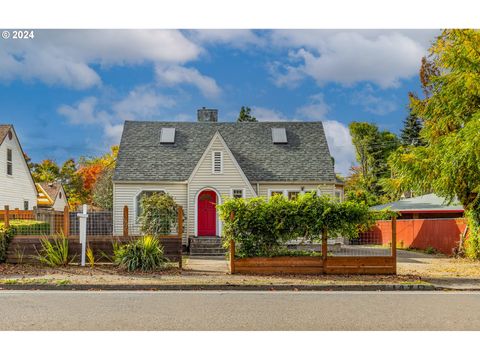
(167, 136)
(279, 136)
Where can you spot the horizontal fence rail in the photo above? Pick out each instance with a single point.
(27, 249)
(332, 256)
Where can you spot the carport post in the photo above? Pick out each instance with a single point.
(394, 242)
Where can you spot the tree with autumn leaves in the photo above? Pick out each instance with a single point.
(85, 182)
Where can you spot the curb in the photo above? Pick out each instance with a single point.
(86, 287)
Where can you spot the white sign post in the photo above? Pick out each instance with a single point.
(83, 231)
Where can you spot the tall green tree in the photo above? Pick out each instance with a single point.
(245, 115)
(449, 162)
(372, 147)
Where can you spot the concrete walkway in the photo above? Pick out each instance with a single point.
(207, 265)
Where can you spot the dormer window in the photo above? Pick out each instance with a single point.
(217, 162)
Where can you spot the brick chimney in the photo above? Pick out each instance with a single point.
(207, 115)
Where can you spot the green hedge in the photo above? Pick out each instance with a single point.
(6, 236)
(262, 228)
(30, 227)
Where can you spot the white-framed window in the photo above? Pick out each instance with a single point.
(217, 162)
(238, 193)
(292, 194)
(9, 162)
(138, 200)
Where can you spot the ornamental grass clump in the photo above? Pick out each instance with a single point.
(54, 252)
(145, 254)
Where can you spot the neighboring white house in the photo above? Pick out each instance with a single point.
(201, 163)
(17, 188)
(51, 195)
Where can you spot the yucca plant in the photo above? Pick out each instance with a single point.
(145, 254)
(54, 252)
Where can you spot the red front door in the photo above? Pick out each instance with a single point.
(207, 213)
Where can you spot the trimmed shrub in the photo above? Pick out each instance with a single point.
(159, 214)
(145, 254)
(30, 227)
(6, 235)
(262, 228)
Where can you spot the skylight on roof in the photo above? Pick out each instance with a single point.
(279, 136)
(167, 136)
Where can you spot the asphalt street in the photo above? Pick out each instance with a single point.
(236, 310)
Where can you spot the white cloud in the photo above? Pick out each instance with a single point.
(265, 114)
(348, 57)
(340, 145)
(65, 57)
(173, 75)
(317, 109)
(142, 102)
(372, 103)
(239, 38)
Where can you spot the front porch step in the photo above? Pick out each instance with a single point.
(206, 247)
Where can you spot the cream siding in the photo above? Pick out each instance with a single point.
(18, 187)
(230, 178)
(126, 193)
(60, 202)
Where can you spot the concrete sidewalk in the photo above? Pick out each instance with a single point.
(207, 265)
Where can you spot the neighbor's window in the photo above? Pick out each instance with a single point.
(141, 195)
(237, 193)
(9, 162)
(25, 205)
(292, 195)
(276, 192)
(217, 162)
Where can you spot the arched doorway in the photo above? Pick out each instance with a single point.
(207, 213)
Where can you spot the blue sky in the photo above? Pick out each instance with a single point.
(68, 92)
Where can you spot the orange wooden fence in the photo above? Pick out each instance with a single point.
(440, 234)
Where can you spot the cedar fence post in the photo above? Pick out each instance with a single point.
(394, 243)
(324, 244)
(66, 221)
(6, 217)
(232, 249)
(125, 220)
(180, 233)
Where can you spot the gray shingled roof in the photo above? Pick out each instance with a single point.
(304, 158)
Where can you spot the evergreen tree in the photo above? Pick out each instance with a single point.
(411, 131)
(245, 116)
